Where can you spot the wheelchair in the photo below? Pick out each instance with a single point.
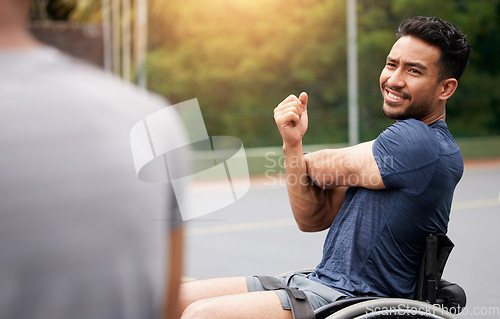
(435, 298)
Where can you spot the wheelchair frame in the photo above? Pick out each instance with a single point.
(435, 298)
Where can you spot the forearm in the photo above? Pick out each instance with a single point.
(311, 206)
(175, 267)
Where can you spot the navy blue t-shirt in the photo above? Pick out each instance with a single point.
(375, 243)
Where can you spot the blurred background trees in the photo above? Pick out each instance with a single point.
(240, 58)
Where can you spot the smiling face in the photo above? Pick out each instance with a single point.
(410, 81)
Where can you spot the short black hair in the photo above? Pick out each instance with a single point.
(455, 50)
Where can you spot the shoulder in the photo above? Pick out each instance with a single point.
(406, 146)
(408, 130)
(411, 136)
(103, 89)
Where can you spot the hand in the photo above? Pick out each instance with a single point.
(291, 119)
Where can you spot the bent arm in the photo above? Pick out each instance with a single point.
(317, 182)
(314, 208)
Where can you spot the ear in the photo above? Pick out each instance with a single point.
(447, 88)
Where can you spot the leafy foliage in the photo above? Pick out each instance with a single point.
(66, 10)
(240, 58)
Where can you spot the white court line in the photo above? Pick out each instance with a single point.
(276, 223)
(480, 203)
(288, 222)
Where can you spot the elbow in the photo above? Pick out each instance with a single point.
(311, 228)
(305, 228)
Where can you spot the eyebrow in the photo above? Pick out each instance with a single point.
(412, 64)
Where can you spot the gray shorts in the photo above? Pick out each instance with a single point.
(317, 294)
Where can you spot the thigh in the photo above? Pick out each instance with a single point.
(260, 304)
(317, 294)
(195, 290)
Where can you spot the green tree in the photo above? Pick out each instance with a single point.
(240, 58)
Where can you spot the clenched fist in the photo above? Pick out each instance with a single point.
(291, 119)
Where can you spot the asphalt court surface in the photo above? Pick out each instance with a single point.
(258, 236)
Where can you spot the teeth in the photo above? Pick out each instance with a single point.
(392, 96)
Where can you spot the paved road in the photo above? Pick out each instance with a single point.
(257, 235)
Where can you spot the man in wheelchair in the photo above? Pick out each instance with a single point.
(380, 199)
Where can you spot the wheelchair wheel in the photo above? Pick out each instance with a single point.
(392, 308)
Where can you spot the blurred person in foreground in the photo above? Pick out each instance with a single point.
(80, 235)
(379, 199)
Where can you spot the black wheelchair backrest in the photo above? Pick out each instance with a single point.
(430, 286)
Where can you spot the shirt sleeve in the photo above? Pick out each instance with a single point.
(406, 154)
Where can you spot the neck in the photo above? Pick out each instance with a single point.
(439, 115)
(17, 38)
(14, 32)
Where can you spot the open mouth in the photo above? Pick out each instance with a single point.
(393, 97)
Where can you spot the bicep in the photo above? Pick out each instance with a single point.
(353, 166)
(364, 170)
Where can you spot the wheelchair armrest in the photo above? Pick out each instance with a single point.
(327, 310)
(451, 296)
